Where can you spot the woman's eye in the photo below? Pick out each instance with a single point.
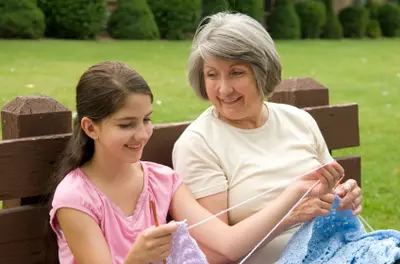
(146, 120)
(237, 73)
(211, 75)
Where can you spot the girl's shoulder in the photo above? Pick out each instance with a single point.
(161, 176)
(75, 188)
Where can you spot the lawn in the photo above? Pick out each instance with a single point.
(366, 72)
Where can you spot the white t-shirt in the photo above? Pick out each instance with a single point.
(212, 156)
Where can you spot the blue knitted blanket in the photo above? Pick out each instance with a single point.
(340, 238)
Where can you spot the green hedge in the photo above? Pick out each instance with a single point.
(354, 20)
(373, 29)
(176, 19)
(21, 19)
(74, 19)
(210, 7)
(312, 18)
(389, 19)
(284, 23)
(332, 28)
(132, 19)
(253, 8)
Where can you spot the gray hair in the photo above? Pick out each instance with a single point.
(238, 37)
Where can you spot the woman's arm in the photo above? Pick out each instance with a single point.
(236, 241)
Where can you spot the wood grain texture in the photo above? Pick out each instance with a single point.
(26, 164)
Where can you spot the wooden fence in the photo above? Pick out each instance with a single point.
(37, 128)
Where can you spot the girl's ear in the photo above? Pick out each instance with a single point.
(89, 128)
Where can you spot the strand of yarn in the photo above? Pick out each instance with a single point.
(276, 226)
(254, 197)
(264, 193)
(362, 220)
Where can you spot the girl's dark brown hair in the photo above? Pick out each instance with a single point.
(100, 92)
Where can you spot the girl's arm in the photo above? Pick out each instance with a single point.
(88, 245)
(84, 237)
(234, 242)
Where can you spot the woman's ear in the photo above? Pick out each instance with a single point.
(89, 127)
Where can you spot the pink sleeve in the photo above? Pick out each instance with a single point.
(74, 196)
(176, 182)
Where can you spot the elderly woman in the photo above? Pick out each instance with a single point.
(243, 145)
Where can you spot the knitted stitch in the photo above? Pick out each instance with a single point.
(184, 248)
(340, 238)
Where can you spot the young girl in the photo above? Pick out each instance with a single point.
(101, 209)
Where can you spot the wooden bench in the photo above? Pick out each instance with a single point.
(36, 129)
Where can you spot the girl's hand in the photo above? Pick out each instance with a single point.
(152, 245)
(327, 175)
(351, 195)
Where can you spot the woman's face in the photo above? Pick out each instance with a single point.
(232, 89)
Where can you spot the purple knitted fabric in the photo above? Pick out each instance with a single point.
(185, 249)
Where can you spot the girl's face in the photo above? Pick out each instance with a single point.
(124, 134)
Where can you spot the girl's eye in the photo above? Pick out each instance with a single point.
(146, 120)
(123, 126)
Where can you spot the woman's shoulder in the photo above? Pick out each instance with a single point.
(203, 122)
(290, 111)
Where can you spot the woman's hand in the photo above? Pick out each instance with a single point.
(351, 195)
(152, 245)
(310, 208)
(327, 175)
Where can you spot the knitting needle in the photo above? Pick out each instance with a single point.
(153, 207)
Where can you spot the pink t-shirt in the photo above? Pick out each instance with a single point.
(76, 191)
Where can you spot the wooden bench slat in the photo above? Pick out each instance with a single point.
(23, 223)
(338, 124)
(26, 175)
(352, 167)
(25, 164)
(16, 249)
(159, 147)
(36, 258)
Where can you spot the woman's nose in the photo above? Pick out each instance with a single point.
(225, 87)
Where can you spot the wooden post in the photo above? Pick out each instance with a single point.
(30, 116)
(301, 92)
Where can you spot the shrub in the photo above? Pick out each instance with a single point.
(373, 29)
(312, 18)
(253, 8)
(21, 19)
(354, 20)
(176, 19)
(214, 6)
(373, 9)
(332, 28)
(389, 19)
(74, 19)
(132, 19)
(284, 23)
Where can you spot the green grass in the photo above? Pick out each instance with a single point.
(365, 72)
